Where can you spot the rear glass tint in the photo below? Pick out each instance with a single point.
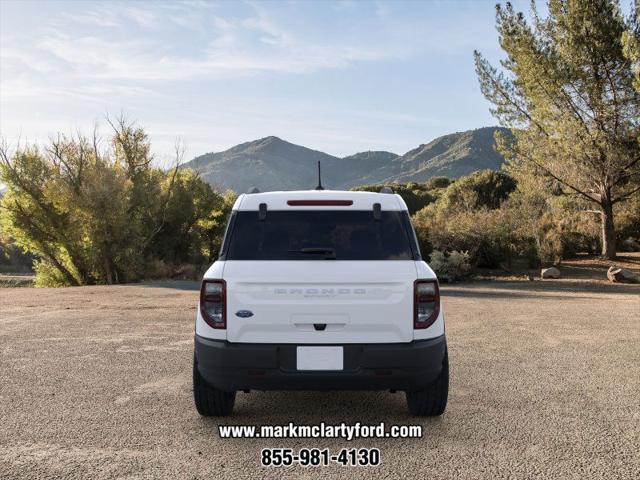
(319, 235)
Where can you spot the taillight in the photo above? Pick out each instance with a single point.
(426, 303)
(213, 296)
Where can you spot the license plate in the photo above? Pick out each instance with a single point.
(320, 358)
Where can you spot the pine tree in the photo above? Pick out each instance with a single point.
(566, 89)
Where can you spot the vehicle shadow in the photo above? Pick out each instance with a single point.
(562, 289)
(188, 285)
(312, 408)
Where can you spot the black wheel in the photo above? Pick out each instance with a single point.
(210, 402)
(432, 400)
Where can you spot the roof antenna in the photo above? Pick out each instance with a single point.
(319, 187)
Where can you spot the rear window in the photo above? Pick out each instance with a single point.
(319, 235)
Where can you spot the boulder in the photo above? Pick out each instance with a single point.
(551, 272)
(621, 275)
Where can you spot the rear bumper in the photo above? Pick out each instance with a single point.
(388, 366)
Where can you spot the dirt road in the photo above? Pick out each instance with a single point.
(95, 383)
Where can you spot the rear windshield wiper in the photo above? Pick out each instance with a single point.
(330, 253)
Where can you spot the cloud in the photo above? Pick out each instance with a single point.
(182, 41)
(270, 33)
(110, 16)
(141, 16)
(177, 62)
(99, 17)
(227, 55)
(233, 46)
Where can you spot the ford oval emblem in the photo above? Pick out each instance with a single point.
(244, 313)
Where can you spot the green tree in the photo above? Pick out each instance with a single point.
(194, 221)
(211, 226)
(481, 189)
(566, 89)
(631, 41)
(89, 216)
(34, 219)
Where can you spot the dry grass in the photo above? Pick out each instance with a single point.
(17, 280)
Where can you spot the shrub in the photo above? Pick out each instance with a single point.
(158, 269)
(187, 271)
(438, 182)
(484, 188)
(468, 217)
(487, 235)
(628, 221)
(450, 267)
(415, 195)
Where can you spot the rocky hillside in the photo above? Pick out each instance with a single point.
(271, 163)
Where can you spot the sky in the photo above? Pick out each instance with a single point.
(340, 77)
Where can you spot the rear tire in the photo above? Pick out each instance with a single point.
(432, 400)
(210, 402)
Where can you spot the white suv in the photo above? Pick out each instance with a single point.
(320, 290)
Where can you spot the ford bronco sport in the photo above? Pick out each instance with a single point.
(320, 290)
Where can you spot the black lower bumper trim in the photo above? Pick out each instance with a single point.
(254, 366)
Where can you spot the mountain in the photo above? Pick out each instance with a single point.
(271, 163)
(370, 158)
(453, 156)
(363, 163)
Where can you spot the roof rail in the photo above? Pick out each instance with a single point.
(385, 190)
(253, 190)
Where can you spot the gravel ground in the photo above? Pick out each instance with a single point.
(95, 382)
